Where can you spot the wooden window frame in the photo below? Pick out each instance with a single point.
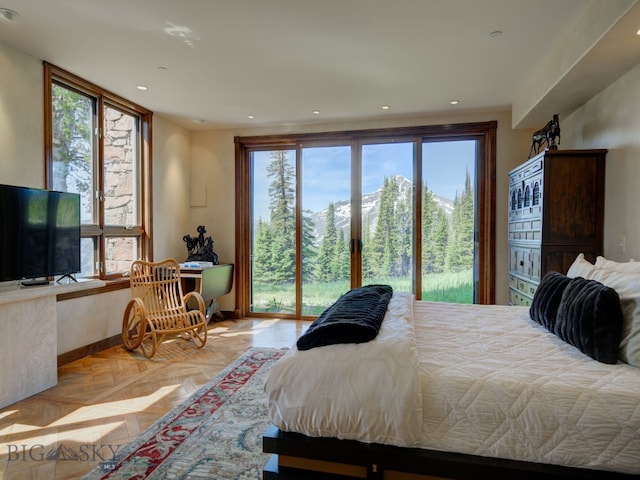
(99, 231)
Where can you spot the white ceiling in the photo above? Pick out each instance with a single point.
(211, 63)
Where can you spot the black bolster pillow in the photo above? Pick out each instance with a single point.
(590, 318)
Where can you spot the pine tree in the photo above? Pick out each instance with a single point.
(468, 223)
(342, 258)
(262, 260)
(325, 271)
(384, 246)
(440, 240)
(453, 258)
(404, 220)
(367, 263)
(462, 242)
(429, 224)
(309, 253)
(282, 209)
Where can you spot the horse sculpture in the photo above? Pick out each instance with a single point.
(200, 248)
(548, 135)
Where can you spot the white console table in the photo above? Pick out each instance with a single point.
(29, 338)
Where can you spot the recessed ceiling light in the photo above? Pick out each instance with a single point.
(638, 32)
(454, 102)
(251, 117)
(8, 15)
(316, 112)
(144, 88)
(386, 107)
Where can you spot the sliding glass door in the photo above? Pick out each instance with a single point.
(325, 216)
(274, 249)
(387, 214)
(301, 224)
(325, 226)
(448, 221)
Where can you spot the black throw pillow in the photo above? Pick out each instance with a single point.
(590, 318)
(356, 317)
(546, 300)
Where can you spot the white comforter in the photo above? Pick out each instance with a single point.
(368, 392)
(476, 379)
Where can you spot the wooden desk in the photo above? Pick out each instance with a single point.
(211, 282)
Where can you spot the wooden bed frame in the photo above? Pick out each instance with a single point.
(296, 456)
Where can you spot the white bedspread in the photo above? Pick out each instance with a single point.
(484, 380)
(368, 392)
(494, 383)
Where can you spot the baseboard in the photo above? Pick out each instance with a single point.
(226, 315)
(96, 347)
(90, 349)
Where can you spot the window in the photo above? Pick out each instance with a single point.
(98, 145)
(319, 213)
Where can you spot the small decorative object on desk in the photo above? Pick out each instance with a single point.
(200, 248)
(548, 135)
(196, 265)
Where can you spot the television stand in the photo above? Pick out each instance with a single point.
(34, 282)
(69, 276)
(31, 325)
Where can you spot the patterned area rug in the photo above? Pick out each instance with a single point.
(216, 433)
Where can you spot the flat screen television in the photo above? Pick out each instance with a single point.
(39, 234)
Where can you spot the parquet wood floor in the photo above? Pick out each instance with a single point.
(107, 399)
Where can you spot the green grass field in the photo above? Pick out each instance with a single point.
(452, 287)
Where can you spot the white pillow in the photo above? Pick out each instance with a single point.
(581, 267)
(623, 267)
(627, 285)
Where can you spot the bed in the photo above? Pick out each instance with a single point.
(458, 391)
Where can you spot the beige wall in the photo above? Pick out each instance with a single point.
(171, 177)
(213, 172)
(213, 162)
(21, 119)
(611, 120)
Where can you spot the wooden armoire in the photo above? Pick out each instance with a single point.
(556, 211)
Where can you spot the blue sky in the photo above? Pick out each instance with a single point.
(327, 177)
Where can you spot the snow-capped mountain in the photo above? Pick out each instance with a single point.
(370, 209)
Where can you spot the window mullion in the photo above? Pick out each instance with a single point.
(100, 184)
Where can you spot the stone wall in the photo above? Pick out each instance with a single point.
(121, 186)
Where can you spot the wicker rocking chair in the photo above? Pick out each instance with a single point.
(158, 309)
